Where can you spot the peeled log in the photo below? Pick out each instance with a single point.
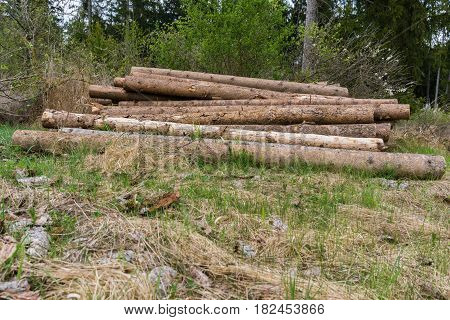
(103, 102)
(57, 119)
(379, 130)
(403, 164)
(372, 130)
(298, 100)
(274, 85)
(197, 89)
(119, 94)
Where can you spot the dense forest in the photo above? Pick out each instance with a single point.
(376, 48)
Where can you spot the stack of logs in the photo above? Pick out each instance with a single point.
(274, 121)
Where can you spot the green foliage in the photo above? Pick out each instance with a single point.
(29, 35)
(104, 53)
(240, 37)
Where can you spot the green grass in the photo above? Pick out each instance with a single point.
(343, 220)
(61, 232)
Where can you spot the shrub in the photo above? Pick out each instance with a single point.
(240, 37)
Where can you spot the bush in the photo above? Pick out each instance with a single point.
(240, 37)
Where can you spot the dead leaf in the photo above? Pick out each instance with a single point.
(165, 201)
(7, 248)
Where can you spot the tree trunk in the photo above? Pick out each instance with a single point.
(402, 164)
(436, 95)
(265, 84)
(381, 112)
(311, 19)
(89, 10)
(300, 100)
(198, 89)
(56, 119)
(446, 87)
(119, 94)
(427, 103)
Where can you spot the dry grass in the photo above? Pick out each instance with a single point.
(347, 236)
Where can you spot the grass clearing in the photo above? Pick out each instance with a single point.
(347, 235)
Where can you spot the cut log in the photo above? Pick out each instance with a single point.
(103, 102)
(379, 130)
(119, 94)
(305, 99)
(55, 119)
(311, 114)
(381, 112)
(389, 112)
(197, 89)
(118, 82)
(402, 164)
(373, 130)
(274, 85)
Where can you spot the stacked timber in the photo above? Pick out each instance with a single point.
(212, 115)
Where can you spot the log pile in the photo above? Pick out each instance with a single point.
(211, 115)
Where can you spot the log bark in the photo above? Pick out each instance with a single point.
(56, 119)
(301, 100)
(274, 85)
(402, 164)
(382, 112)
(310, 114)
(197, 89)
(119, 94)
